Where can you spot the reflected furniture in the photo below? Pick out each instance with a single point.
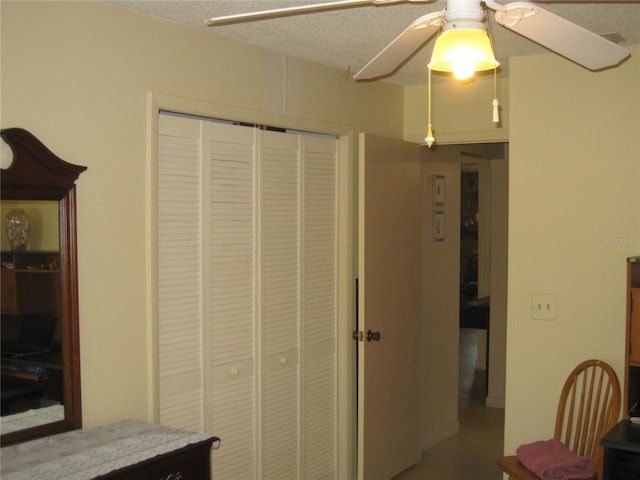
(24, 376)
(127, 450)
(37, 281)
(588, 408)
(32, 283)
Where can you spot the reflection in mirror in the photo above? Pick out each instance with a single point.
(39, 309)
(31, 330)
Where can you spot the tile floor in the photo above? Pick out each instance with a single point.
(472, 453)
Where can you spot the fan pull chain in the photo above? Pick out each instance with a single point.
(429, 138)
(495, 103)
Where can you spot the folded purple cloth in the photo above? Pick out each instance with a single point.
(552, 460)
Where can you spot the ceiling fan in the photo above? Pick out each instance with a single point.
(553, 32)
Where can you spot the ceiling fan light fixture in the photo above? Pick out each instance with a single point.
(463, 51)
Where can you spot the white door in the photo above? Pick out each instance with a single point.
(389, 306)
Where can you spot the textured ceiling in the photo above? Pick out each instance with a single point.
(349, 38)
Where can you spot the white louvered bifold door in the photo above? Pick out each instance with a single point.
(319, 310)
(231, 280)
(247, 333)
(180, 273)
(280, 312)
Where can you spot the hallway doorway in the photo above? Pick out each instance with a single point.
(472, 453)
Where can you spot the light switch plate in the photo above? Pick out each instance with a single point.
(544, 306)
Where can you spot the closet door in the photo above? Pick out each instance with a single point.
(248, 295)
(230, 326)
(298, 319)
(280, 304)
(180, 261)
(318, 326)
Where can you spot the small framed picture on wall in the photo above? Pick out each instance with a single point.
(437, 186)
(438, 226)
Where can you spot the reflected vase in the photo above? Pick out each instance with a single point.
(17, 222)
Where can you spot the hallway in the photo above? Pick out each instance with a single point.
(472, 453)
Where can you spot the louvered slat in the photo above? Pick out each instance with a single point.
(280, 212)
(231, 243)
(279, 440)
(319, 427)
(233, 417)
(320, 240)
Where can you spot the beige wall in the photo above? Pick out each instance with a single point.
(78, 76)
(460, 112)
(499, 282)
(439, 331)
(574, 216)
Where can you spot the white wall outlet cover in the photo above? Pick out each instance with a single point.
(544, 306)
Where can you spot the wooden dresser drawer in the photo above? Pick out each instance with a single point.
(192, 462)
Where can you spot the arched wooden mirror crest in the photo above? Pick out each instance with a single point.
(41, 391)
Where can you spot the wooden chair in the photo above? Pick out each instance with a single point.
(589, 407)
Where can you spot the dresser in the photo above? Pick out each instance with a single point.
(125, 450)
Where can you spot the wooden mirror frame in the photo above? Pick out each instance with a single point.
(38, 174)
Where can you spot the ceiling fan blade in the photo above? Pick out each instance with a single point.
(402, 47)
(561, 36)
(300, 9)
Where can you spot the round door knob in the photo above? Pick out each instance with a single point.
(373, 336)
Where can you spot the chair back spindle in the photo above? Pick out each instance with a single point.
(588, 408)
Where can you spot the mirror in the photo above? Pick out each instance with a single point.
(39, 309)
